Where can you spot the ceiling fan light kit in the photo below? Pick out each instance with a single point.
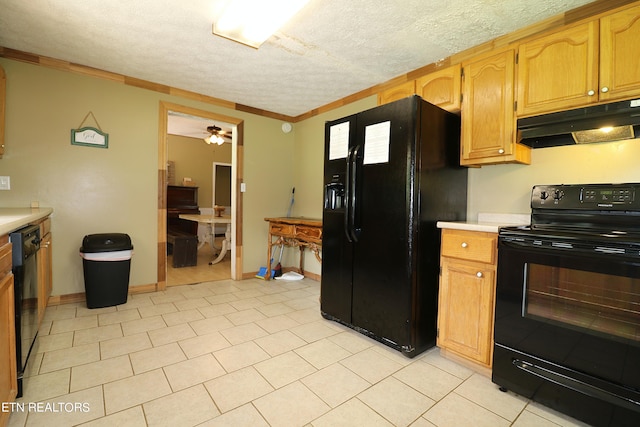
(251, 22)
(216, 135)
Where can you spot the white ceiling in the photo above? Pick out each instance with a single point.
(194, 127)
(331, 49)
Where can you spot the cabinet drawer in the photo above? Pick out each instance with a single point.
(5, 256)
(45, 227)
(309, 233)
(282, 229)
(469, 245)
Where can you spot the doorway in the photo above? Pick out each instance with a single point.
(236, 179)
(221, 184)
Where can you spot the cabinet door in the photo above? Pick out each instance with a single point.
(441, 88)
(44, 274)
(465, 310)
(488, 122)
(620, 55)
(559, 71)
(3, 94)
(397, 92)
(9, 370)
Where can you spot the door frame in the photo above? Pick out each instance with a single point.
(236, 178)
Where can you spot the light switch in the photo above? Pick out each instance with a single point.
(5, 183)
(243, 187)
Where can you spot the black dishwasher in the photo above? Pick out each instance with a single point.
(25, 245)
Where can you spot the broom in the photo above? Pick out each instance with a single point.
(277, 271)
(262, 273)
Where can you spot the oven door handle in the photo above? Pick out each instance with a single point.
(576, 385)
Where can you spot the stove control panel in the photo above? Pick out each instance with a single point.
(586, 196)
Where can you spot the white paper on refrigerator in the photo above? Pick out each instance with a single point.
(376, 143)
(339, 141)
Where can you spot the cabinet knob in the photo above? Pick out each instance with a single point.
(479, 274)
(501, 151)
(464, 244)
(605, 89)
(591, 93)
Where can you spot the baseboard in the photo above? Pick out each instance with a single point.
(152, 287)
(80, 297)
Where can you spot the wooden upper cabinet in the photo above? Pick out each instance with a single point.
(597, 61)
(397, 92)
(3, 95)
(488, 117)
(441, 88)
(620, 55)
(559, 71)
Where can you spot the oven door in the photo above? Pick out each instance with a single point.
(567, 326)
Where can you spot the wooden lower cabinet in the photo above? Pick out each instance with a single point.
(467, 295)
(45, 274)
(8, 370)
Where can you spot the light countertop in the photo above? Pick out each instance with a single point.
(14, 218)
(487, 222)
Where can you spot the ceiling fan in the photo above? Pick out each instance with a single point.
(216, 135)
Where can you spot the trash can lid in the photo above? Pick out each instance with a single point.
(106, 242)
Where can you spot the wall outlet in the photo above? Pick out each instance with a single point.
(5, 183)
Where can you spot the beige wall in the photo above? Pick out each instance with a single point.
(95, 190)
(194, 159)
(507, 188)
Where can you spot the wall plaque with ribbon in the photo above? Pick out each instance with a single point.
(89, 136)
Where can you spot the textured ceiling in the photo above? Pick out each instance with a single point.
(331, 49)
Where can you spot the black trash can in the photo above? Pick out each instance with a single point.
(106, 261)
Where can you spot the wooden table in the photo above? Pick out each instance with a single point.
(210, 221)
(300, 232)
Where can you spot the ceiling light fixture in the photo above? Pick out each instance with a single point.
(214, 139)
(216, 136)
(251, 22)
(604, 134)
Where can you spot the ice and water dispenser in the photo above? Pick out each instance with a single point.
(334, 194)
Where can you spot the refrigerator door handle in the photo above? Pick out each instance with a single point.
(353, 194)
(347, 197)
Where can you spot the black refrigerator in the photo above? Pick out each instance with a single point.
(390, 173)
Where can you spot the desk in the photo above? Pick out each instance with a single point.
(300, 232)
(210, 221)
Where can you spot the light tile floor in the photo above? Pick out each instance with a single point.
(246, 353)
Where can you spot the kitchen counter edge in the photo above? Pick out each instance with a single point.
(487, 222)
(12, 219)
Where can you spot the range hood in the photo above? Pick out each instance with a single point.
(598, 123)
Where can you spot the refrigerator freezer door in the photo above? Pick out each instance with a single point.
(337, 251)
